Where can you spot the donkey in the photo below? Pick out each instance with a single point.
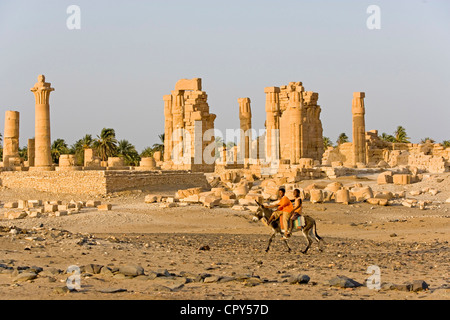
(263, 214)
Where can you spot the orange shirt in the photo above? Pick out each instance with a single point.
(285, 205)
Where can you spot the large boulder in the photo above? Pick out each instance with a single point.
(316, 196)
(362, 193)
(402, 179)
(188, 192)
(241, 191)
(342, 196)
(385, 178)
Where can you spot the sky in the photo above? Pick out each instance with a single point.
(115, 69)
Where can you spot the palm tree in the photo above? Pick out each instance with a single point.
(230, 144)
(59, 147)
(446, 143)
(427, 140)
(128, 152)
(106, 143)
(387, 137)
(160, 145)
(147, 152)
(342, 139)
(400, 135)
(327, 143)
(23, 153)
(79, 146)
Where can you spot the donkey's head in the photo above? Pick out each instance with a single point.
(261, 213)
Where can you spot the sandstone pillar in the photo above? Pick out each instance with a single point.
(30, 151)
(359, 128)
(295, 109)
(245, 116)
(43, 156)
(272, 123)
(11, 137)
(168, 127)
(177, 124)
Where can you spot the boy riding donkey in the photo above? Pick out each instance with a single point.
(287, 211)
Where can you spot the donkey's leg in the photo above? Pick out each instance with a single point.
(308, 239)
(270, 241)
(286, 243)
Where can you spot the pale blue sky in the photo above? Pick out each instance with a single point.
(128, 54)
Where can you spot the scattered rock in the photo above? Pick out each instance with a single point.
(112, 290)
(344, 282)
(131, 270)
(25, 276)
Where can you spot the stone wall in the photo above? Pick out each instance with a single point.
(77, 182)
(97, 182)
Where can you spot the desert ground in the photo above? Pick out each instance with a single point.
(199, 253)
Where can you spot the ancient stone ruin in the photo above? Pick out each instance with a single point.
(290, 150)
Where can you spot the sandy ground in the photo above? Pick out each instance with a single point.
(405, 243)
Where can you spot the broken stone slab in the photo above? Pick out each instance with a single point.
(191, 199)
(181, 194)
(151, 198)
(377, 201)
(385, 178)
(241, 191)
(342, 196)
(104, 207)
(35, 203)
(227, 195)
(62, 207)
(362, 193)
(60, 213)
(211, 201)
(15, 215)
(227, 203)
(402, 179)
(93, 203)
(50, 208)
(34, 214)
(22, 204)
(10, 205)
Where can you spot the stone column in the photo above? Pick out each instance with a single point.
(168, 127)
(30, 151)
(177, 124)
(245, 116)
(272, 123)
(43, 155)
(11, 137)
(295, 108)
(359, 128)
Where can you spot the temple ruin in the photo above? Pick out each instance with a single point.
(290, 150)
(187, 120)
